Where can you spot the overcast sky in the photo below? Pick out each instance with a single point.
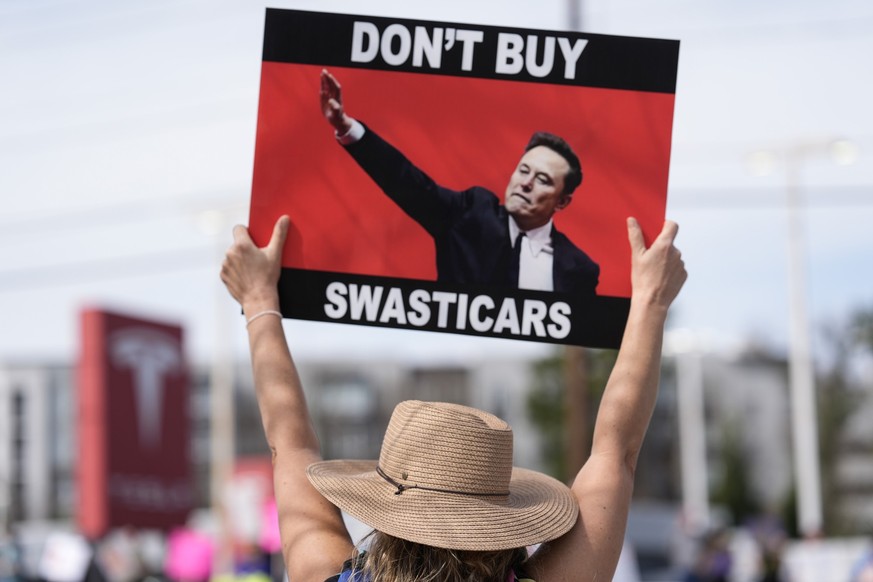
(127, 139)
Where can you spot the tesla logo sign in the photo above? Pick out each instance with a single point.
(151, 356)
(134, 436)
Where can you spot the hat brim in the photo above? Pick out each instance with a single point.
(537, 509)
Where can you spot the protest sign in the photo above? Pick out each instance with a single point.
(406, 227)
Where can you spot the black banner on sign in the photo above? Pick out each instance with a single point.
(469, 310)
(487, 52)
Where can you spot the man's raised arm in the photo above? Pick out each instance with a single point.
(409, 187)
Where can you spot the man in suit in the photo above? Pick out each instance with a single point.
(477, 239)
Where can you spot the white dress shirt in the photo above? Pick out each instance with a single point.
(537, 256)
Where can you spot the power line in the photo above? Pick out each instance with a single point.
(815, 197)
(112, 215)
(145, 265)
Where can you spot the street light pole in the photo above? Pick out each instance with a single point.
(222, 436)
(804, 421)
(801, 373)
(574, 15)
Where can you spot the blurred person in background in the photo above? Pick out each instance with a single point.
(713, 562)
(863, 569)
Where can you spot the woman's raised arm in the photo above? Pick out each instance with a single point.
(314, 539)
(604, 485)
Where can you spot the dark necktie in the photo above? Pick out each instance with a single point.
(515, 261)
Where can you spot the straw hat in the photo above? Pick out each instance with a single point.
(445, 478)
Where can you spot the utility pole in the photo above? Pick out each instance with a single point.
(576, 405)
(222, 438)
(576, 401)
(574, 15)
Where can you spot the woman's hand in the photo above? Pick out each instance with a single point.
(251, 274)
(657, 272)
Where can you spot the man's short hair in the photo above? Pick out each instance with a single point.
(559, 146)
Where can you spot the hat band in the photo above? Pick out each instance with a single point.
(401, 487)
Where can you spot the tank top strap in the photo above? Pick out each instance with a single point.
(346, 574)
(349, 566)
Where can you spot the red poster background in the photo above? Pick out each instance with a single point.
(462, 132)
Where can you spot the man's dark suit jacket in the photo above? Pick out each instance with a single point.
(470, 229)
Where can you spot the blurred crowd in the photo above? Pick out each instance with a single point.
(758, 552)
(186, 554)
(762, 552)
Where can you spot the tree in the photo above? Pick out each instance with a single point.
(838, 399)
(734, 490)
(546, 403)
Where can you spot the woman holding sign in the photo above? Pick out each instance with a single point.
(443, 498)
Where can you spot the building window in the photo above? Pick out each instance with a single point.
(17, 479)
(439, 385)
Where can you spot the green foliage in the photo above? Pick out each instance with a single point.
(862, 329)
(546, 403)
(600, 364)
(838, 398)
(836, 401)
(734, 490)
(788, 513)
(545, 407)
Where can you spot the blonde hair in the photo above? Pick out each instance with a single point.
(391, 559)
